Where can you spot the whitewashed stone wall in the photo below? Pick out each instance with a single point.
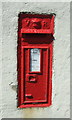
(61, 60)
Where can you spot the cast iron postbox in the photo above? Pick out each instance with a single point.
(35, 49)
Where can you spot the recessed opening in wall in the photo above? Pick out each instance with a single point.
(35, 46)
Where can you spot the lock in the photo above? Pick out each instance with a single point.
(35, 51)
(31, 78)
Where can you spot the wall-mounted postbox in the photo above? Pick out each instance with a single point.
(35, 44)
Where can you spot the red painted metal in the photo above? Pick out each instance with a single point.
(35, 87)
(38, 25)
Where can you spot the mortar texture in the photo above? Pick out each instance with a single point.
(60, 107)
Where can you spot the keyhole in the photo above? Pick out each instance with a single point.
(32, 79)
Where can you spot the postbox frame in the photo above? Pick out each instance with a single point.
(20, 66)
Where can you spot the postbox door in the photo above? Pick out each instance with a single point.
(36, 75)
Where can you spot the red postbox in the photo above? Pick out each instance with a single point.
(35, 50)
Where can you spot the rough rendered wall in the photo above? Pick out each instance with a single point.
(61, 58)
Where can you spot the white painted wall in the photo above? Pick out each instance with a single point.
(61, 60)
